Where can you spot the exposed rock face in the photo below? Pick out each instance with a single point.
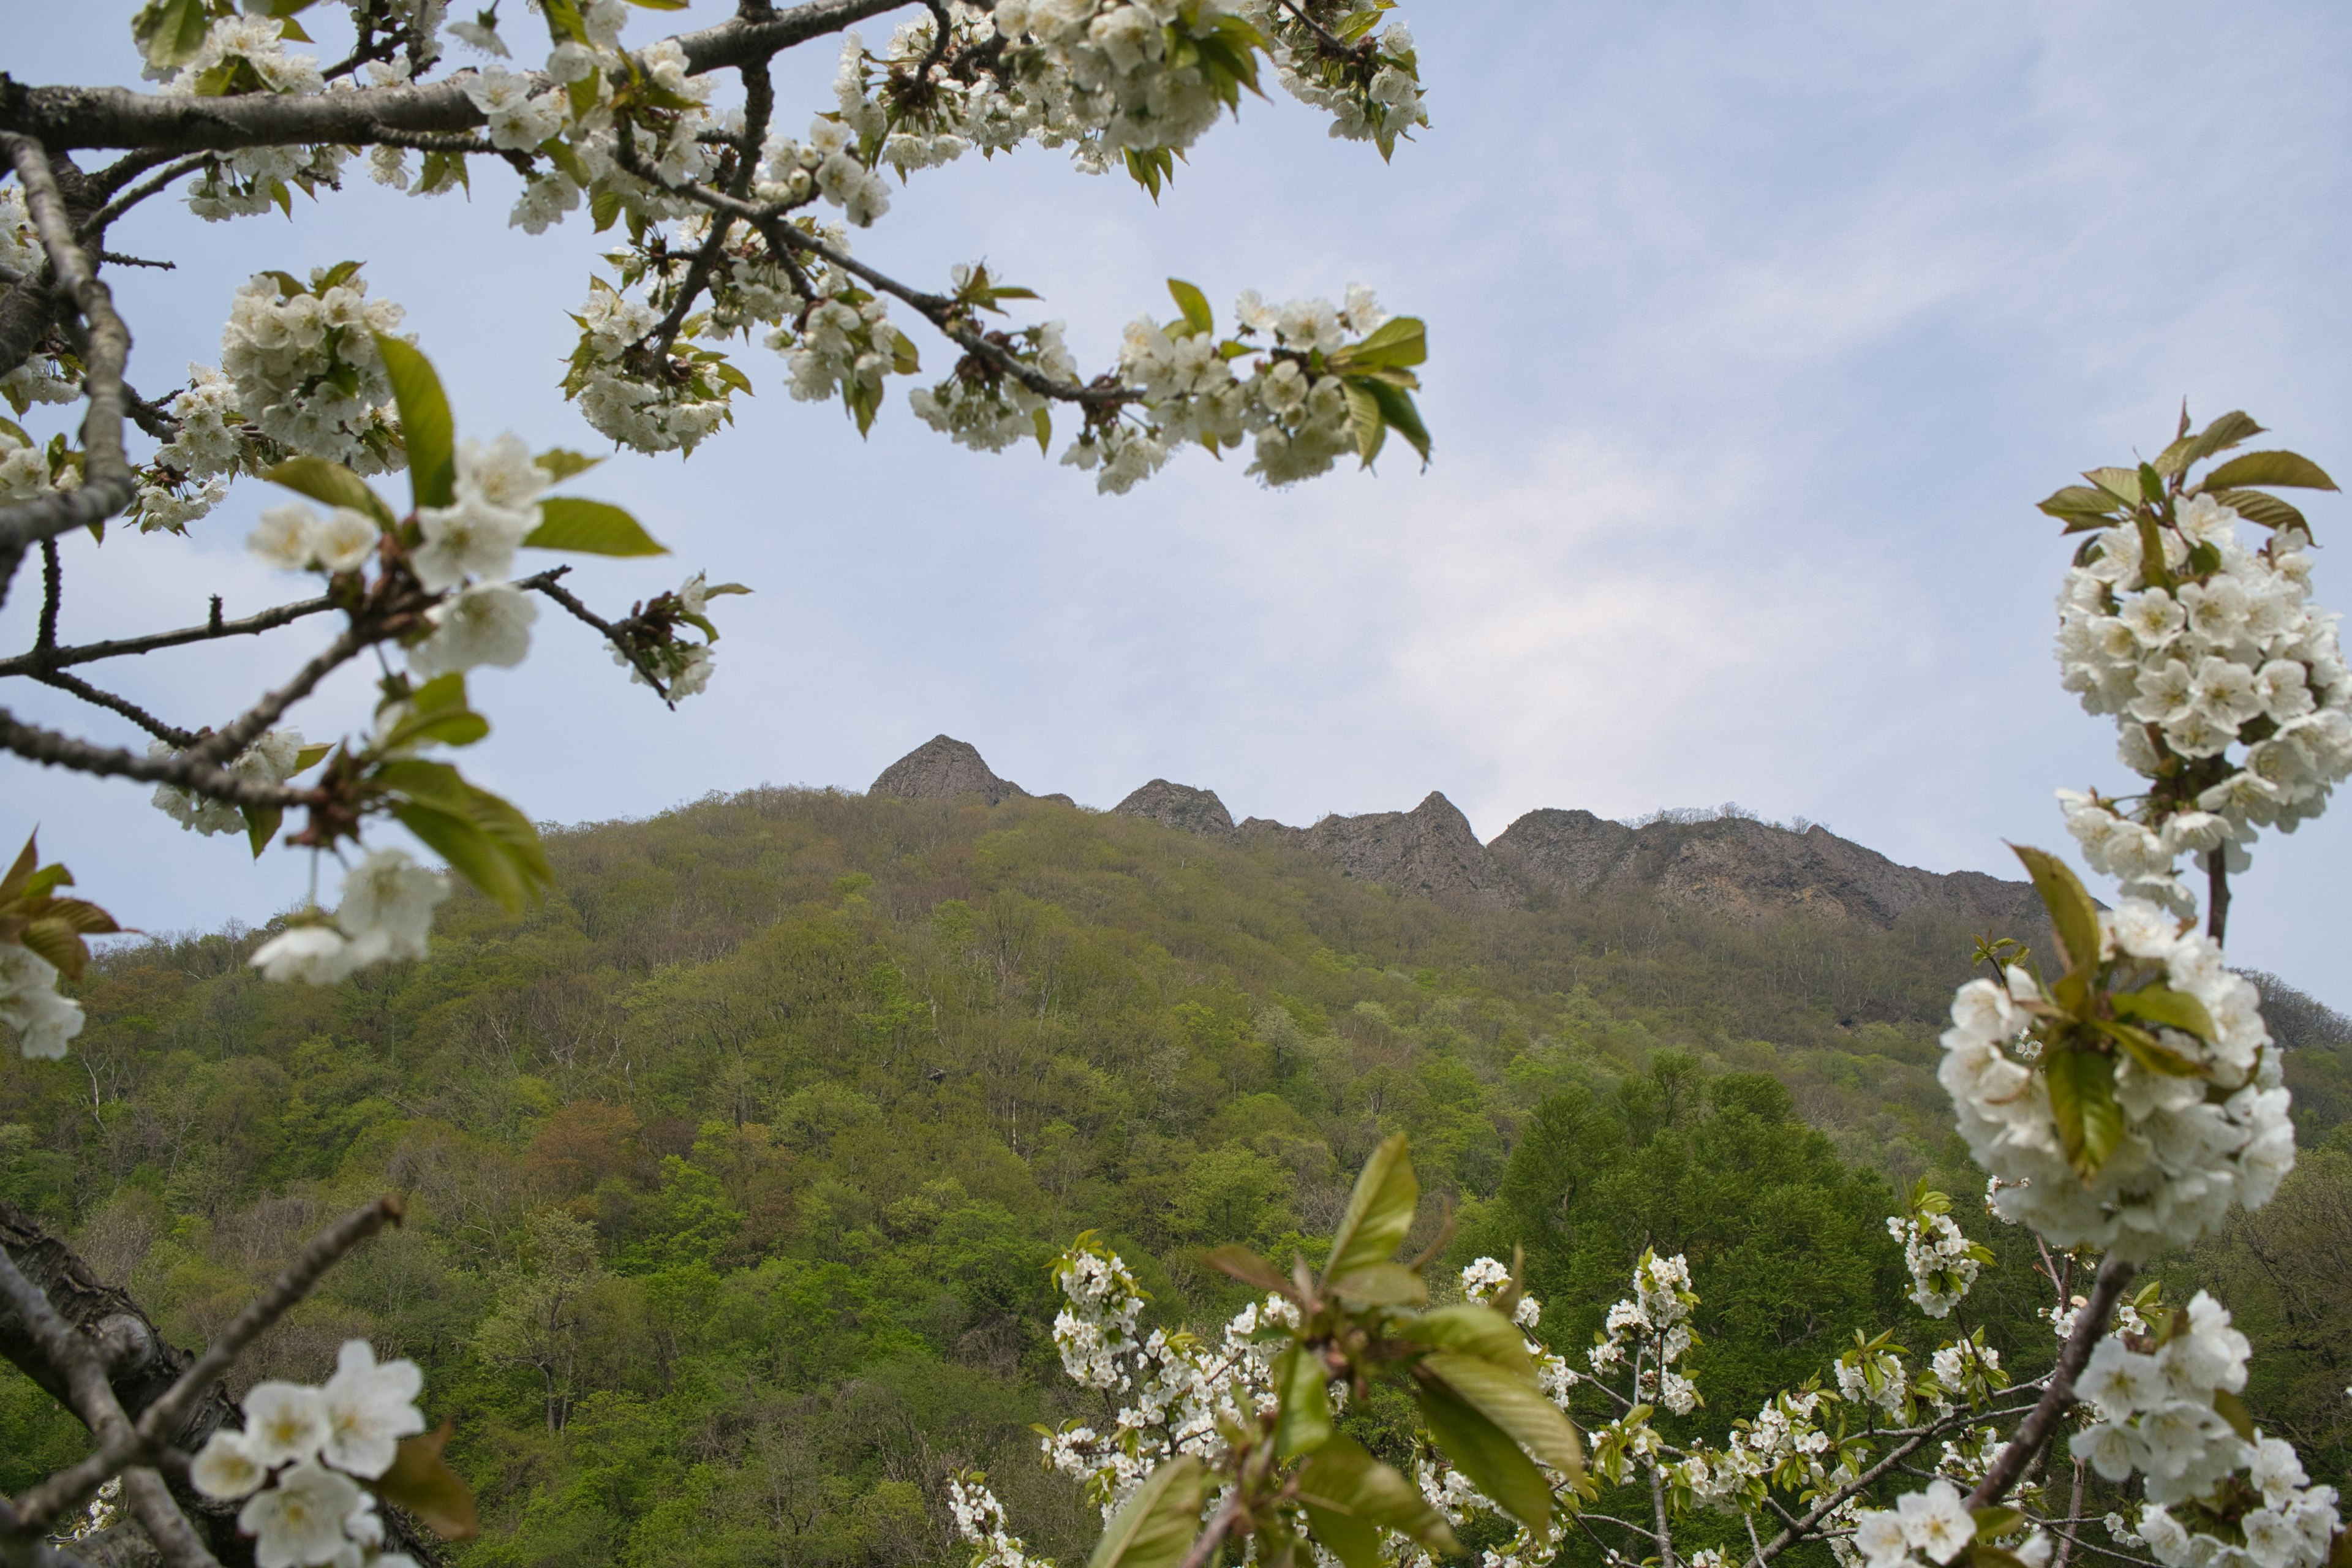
(1744, 870)
(1429, 849)
(1181, 807)
(943, 768)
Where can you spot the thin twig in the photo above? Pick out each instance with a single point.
(611, 633)
(90, 652)
(224, 744)
(181, 738)
(53, 593)
(181, 769)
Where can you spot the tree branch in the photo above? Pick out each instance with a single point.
(68, 117)
(183, 769)
(94, 227)
(2059, 1393)
(611, 633)
(181, 738)
(224, 744)
(108, 484)
(90, 652)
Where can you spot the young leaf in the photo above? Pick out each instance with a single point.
(1155, 1526)
(1993, 1523)
(1364, 414)
(261, 823)
(1349, 1495)
(2173, 1009)
(469, 852)
(1471, 1330)
(1194, 305)
(2082, 1103)
(1305, 1425)
(171, 32)
(1380, 1211)
(1397, 409)
(2146, 1050)
(421, 1482)
(310, 757)
(1247, 1267)
(426, 423)
(1482, 1451)
(1382, 1285)
(2081, 500)
(562, 463)
(2290, 469)
(2224, 433)
(2123, 484)
(334, 484)
(591, 527)
(1511, 1400)
(2071, 913)
(1396, 342)
(2266, 510)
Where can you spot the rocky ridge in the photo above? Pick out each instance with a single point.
(1732, 866)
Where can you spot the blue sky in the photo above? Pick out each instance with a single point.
(1756, 331)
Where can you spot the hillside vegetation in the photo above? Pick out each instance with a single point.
(735, 1170)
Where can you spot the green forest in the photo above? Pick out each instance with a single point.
(735, 1170)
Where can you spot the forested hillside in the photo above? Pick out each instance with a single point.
(735, 1170)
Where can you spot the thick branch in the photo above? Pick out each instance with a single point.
(2059, 1393)
(183, 739)
(224, 744)
(107, 481)
(183, 769)
(65, 117)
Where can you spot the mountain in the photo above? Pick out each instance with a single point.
(1732, 866)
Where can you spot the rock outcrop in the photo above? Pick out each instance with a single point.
(1744, 870)
(1428, 850)
(1179, 806)
(944, 768)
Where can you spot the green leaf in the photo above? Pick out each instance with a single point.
(310, 757)
(2081, 500)
(1380, 1211)
(1469, 1329)
(2289, 468)
(606, 206)
(1247, 1267)
(1510, 1399)
(2073, 914)
(171, 32)
(423, 1484)
(1482, 1451)
(562, 463)
(261, 823)
(1351, 1496)
(2255, 507)
(1364, 415)
(661, 4)
(457, 839)
(2232, 1409)
(1380, 1285)
(591, 527)
(1300, 1381)
(1396, 342)
(1044, 422)
(1397, 409)
(425, 425)
(1994, 1522)
(2123, 484)
(2221, 435)
(2082, 1103)
(1155, 1525)
(1194, 305)
(2146, 1049)
(2173, 1009)
(334, 484)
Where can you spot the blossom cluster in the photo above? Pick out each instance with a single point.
(1935, 1525)
(979, 1518)
(2166, 1409)
(1654, 1326)
(2201, 1126)
(43, 1020)
(1784, 1442)
(1942, 1261)
(1375, 96)
(296, 1460)
(1183, 1388)
(242, 55)
(2229, 688)
(273, 758)
(41, 378)
(387, 912)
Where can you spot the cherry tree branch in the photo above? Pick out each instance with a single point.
(108, 484)
(90, 652)
(183, 739)
(94, 225)
(2090, 1324)
(545, 583)
(181, 769)
(68, 117)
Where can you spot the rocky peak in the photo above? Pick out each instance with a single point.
(1429, 849)
(1179, 806)
(943, 768)
(1742, 868)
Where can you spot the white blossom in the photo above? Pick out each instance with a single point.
(42, 1020)
(370, 1406)
(488, 623)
